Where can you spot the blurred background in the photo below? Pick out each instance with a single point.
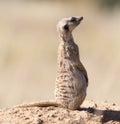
(29, 43)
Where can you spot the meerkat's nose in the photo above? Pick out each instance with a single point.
(80, 18)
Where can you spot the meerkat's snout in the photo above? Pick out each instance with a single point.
(73, 22)
(79, 19)
(76, 19)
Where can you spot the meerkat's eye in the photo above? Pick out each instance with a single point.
(66, 27)
(73, 19)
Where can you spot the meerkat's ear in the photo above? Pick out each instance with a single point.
(66, 27)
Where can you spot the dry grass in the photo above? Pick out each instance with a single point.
(28, 50)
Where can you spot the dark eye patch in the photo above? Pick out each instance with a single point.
(73, 19)
(66, 27)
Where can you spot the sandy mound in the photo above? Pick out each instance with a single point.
(89, 113)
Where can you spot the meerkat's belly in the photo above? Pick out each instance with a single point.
(70, 89)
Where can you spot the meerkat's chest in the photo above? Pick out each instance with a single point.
(70, 77)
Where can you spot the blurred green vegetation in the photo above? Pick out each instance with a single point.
(110, 4)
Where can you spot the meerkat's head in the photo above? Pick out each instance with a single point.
(67, 25)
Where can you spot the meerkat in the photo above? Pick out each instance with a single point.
(72, 80)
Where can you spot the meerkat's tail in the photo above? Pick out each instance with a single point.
(40, 104)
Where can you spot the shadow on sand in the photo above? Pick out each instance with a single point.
(107, 115)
